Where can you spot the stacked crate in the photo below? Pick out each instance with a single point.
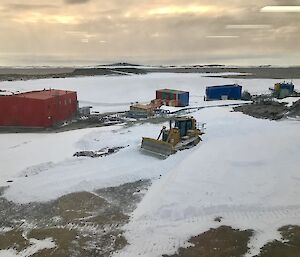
(172, 97)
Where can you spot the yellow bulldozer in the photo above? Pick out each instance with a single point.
(182, 134)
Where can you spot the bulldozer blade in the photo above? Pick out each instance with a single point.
(157, 147)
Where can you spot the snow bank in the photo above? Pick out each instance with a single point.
(73, 174)
(289, 100)
(23, 152)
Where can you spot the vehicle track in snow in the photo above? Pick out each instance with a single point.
(144, 244)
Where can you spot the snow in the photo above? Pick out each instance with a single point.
(289, 100)
(204, 104)
(228, 74)
(245, 170)
(5, 93)
(22, 152)
(35, 246)
(5, 229)
(48, 181)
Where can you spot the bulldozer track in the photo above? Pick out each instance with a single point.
(196, 108)
(234, 212)
(152, 246)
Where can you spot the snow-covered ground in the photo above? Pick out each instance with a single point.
(289, 100)
(245, 170)
(32, 153)
(51, 179)
(115, 93)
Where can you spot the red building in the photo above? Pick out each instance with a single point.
(37, 108)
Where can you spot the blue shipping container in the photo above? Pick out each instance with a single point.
(232, 92)
(183, 99)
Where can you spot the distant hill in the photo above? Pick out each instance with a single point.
(120, 64)
(107, 71)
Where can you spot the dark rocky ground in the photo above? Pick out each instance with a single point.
(221, 242)
(247, 72)
(262, 73)
(44, 73)
(270, 109)
(81, 224)
(12, 74)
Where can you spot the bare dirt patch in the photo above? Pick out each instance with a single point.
(80, 224)
(220, 242)
(13, 239)
(228, 242)
(288, 247)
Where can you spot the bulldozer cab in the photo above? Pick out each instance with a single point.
(184, 124)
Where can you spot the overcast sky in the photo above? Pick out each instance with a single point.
(236, 32)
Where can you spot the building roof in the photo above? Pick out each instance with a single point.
(174, 91)
(286, 83)
(224, 86)
(44, 94)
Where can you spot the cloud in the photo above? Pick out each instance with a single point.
(248, 26)
(143, 29)
(282, 8)
(25, 7)
(184, 10)
(36, 17)
(76, 1)
(223, 36)
(178, 10)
